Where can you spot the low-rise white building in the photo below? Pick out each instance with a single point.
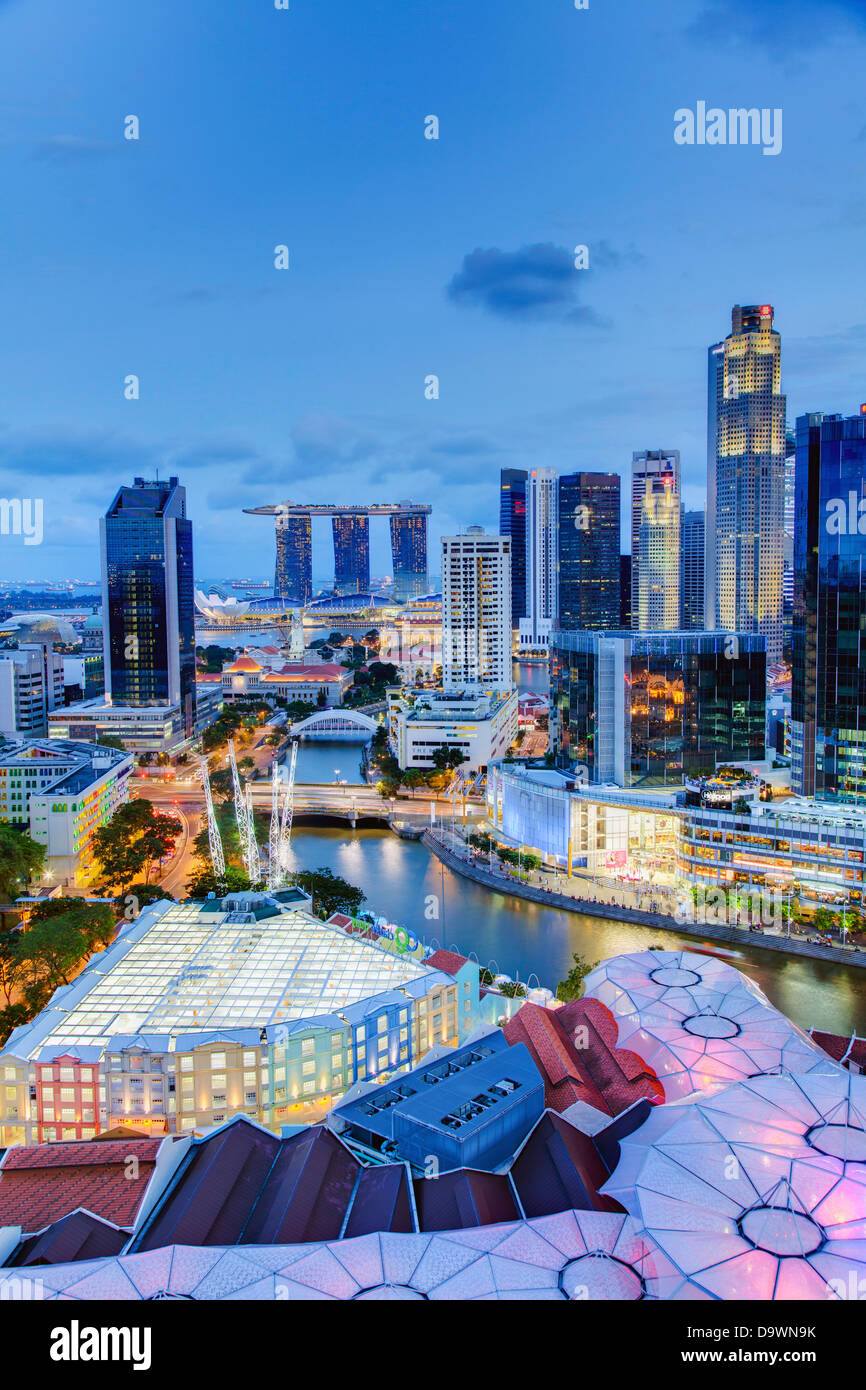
(63, 791)
(481, 726)
(264, 672)
(141, 728)
(31, 685)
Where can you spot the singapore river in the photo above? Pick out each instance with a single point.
(407, 884)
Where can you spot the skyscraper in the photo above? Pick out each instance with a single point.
(351, 532)
(655, 540)
(409, 551)
(828, 688)
(588, 512)
(692, 572)
(542, 493)
(476, 612)
(625, 591)
(147, 596)
(512, 522)
(293, 581)
(745, 479)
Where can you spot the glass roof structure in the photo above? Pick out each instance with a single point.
(573, 1255)
(698, 1022)
(192, 968)
(754, 1191)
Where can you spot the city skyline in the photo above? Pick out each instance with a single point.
(253, 386)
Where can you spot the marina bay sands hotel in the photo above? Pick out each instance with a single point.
(293, 582)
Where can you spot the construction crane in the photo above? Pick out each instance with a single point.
(245, 820)
(252, 854)
(288, 807)
(217, 857)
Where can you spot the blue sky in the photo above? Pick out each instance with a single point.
(409, 257)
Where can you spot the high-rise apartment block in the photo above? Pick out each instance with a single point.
(542, 529)
(476, 612)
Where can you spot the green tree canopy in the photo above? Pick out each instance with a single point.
(133, 840)
(572, 986)
(329, 892)
(205, 881)
(21, 859)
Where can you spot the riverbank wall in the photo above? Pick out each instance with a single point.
(732, 936)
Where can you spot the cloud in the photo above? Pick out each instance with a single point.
(780, 26)
(536, 282)
(327, 441)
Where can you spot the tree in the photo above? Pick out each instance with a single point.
(133, 840)
(446, 756)
(572, 986)
(329, 892)
(95, 921)
(221, 784)
(51, 950)
(111, 741)
(11, 966)
(21, 860)
(205, 882)
(413, 778)
(139, 896)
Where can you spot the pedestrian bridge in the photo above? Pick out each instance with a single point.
(335, 723)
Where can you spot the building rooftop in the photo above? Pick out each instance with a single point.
(187, 969)
(42, 1183)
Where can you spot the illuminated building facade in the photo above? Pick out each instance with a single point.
(351, 553)
(828, 689)
(512, 523)
(476, 612)
(588, 551)
(148, 599)
(542, 528)
(746, 480)
(655, 540)
(293, 580)
(409, 552)
(647, 709)
(201, 1011)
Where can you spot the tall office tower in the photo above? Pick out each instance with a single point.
(409, 552)
(293, 580)
(625, 591)
(655, 540)
(588, 551)
(351, 531)
(828, 687)
(476, 612)
(542, 494)
(147, 599)
(692, 572)
(746, 479)
(512, 522)
(788, 541)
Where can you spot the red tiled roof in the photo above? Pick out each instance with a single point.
(327, 672)
(842, 1048)
(603, 1075)
(340, 919)
(447, 961)
(40, 1183)
(243, 663)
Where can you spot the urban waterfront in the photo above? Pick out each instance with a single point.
(404, 882)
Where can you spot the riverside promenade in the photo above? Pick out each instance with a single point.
(503, 882)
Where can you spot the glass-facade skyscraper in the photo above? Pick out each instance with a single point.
(409, 552)
(692, 572)
(148, 599)
(293, 578)
(828, 688)
(512, 522)
(588, 551)
(746, 479)
(644, 709)
(655, 540)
